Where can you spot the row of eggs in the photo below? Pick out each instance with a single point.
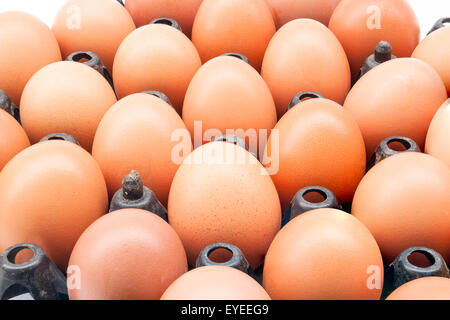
(320, 142)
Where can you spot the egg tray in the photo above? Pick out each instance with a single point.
(38, 276)
(9, 106)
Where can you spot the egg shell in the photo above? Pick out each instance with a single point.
(13, 138)
(324, 254)
(49, 194)
(156, 57)
(427, 288)
(65, 97)
(397, 98)
(137, 134)
(230, 199)
(434, 51)
(215, 283)
(228, 94)
(98, 26)
(404, 201)
(241, 26)
(129, 254)
(305, 56)
(438, 137)
(317, 142)
(27, 46)
(361, 24)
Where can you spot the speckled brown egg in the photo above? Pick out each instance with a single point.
(221, 193)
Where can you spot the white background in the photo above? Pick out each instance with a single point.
(428, 11)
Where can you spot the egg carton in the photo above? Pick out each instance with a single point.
(37, 278)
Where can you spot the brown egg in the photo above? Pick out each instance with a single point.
(305, 56)
(50, 193)
(228, 94)
(243, 26)
(98, 26)
(317, 143)
(183, 11)
(397, 98)
(13, 138)
(137, 133)
(428, 288)
(66, 97)
(230, 199)
(404, 201)
(27, 46)
(434, 50)
(287, 10)
(438, 138)
(215, 283)
(361, 24)
(129, 254)
(324, 254)
(156, 57)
